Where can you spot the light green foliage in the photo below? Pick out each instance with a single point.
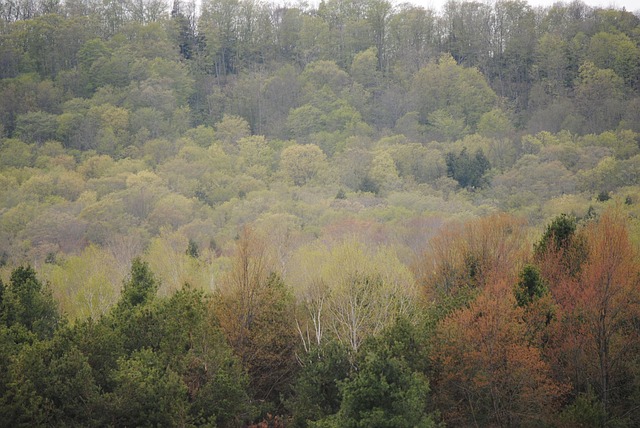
(304, 120)
(445, 126)
(416, 161)
(172, 210)
(541, 180)
(457, 91)
(15, 153)
(302, 163)
(202, 136)
(174, 268)
(599, 97)
(158, 150)
(615, 51)
(321, 74)
(364, 69)
(230, 130)
(383, 171)
(351, 292)
(495, 124)
(603, 178)
(623, 143)
(256, 157)
(86, 285)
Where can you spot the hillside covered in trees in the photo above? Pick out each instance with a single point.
(356, 214)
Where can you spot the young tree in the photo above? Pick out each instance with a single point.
(350, 292)
(140, 288)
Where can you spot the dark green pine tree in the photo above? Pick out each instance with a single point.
(466, 170)
(530, 287)
(141, 287)
(28, 304)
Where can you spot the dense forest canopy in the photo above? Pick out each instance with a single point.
(357, 213)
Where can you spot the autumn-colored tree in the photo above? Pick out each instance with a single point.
(560, 254)
(255, 310)
(486, 371)
(472, 254)
(597, 338)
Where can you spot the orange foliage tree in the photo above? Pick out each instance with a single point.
(486, 372)
(470, 254)
(256, 313)
(597, 338)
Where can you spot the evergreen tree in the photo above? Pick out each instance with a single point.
(28, 304)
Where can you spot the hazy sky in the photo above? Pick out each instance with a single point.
(630, 5)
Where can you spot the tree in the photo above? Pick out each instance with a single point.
(461, 92)
(193, 345)
(255, 310)
(597, 309)
(411, 37)
(530, 286)
(146, 393)
(230, 130)
(36, 127)
(486, 371)
(383, 392)
(302, 163)
(617, 52)
(15, 153)
(53, 384)
(349, 292)
(28, 304)
(473, 254)
(467, 171)
(140, 288)
(495, 124)
(86, 285)
(388, 386)
(316, 389)
(364, 69)
(561, 251)
(599, 98)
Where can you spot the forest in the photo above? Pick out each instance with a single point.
(358, 213)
